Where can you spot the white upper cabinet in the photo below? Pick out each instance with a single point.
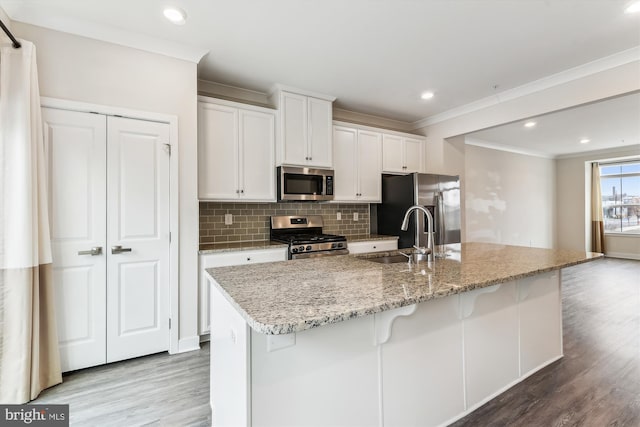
(357, 164)
(304, 129)
(236, 145)
(402, 154)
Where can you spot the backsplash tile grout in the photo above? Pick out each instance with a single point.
(251, 220)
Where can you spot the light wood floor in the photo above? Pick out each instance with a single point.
(596, 384)
(156, 390)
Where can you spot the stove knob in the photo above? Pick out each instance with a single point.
(340, 245)
(334, 245)
(308, 248)
(294, 250)
(301, 248)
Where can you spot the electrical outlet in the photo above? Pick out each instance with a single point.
(228, 219)
(339, 216)
(355, 216)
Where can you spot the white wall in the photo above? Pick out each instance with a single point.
(81, 69)
(572, 204)
(509, 198)
(7, 22)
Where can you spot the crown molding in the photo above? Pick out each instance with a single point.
(619, 153)
(18, 12)
(508, 148)
(584, 70)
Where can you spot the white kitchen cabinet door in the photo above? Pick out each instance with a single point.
(369, 161)
(305, 130)
(392, 154)
(345, 142)
(217, 152)
(413, 154)
(357, 164)
(319, 133)
(228, 259)
(137, 238)
(256, 153)
(76, 151)
(294, 127)
(109, 187)
(401, 154)
(236, 145)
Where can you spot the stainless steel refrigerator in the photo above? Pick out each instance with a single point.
(438, 193)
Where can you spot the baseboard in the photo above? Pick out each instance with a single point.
(189, 344)
(622, 255)
(205, 338)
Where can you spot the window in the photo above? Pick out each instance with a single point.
(620, 187)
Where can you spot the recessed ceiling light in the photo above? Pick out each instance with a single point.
(585, 141)
(427, 95)
(633, 7)
(529, 124)
(175, 15)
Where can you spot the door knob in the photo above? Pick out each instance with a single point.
(119, 249)
(96, 250)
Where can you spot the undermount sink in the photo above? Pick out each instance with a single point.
(394, 259)
(389, 259)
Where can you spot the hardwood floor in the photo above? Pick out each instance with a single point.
(156, 390)
(597, 383)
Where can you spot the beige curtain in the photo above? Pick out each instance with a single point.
(29, 355)
(597, 220)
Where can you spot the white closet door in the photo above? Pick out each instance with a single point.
(75, 145)
(138, 238)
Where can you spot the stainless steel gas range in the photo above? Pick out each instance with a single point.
(305, 237)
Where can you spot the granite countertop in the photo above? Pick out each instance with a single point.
(291, 296)
(239, 246)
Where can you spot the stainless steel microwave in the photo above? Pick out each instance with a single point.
(304, 183)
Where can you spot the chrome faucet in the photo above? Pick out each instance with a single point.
(405, 225)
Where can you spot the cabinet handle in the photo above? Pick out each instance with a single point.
(310, 158)
(96, 250)
(248, 258)
(237, 191)
(242, 191)
(119, 249)
(374, 247)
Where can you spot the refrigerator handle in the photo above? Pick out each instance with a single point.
(440, 217)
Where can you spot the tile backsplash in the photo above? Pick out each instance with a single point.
(251, 220)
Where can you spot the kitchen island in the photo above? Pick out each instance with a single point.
(345, 341)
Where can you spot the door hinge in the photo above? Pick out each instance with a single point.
(167, 148)
(169, 323)
(169, 237)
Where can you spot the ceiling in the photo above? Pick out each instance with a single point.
(610, 123)
(375, 56)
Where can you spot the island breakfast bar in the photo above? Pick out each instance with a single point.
(347, 341)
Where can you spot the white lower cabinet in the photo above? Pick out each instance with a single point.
(225, 259)
(372, 246)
